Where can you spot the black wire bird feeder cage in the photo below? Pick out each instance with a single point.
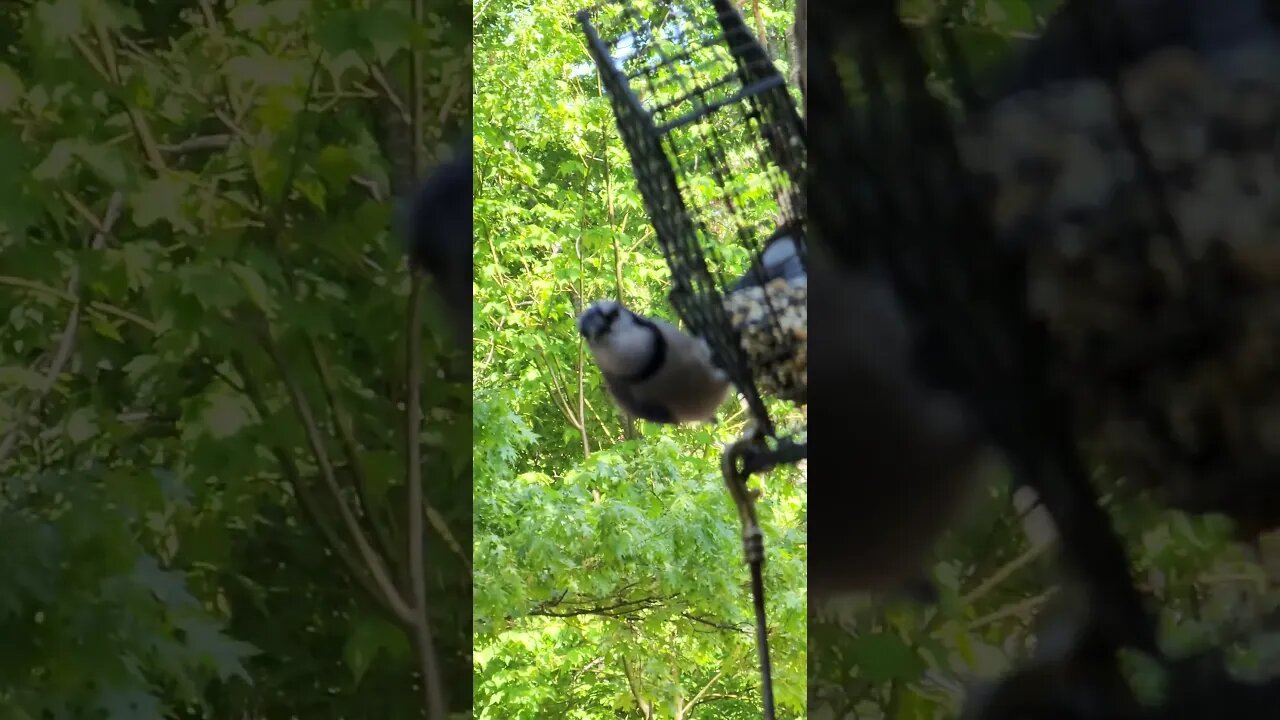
(717, 149)
(1079, 276)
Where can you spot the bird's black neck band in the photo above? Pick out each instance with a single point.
(659, 355)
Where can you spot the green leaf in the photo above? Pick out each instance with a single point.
(57, 162)
(225, 656)
(106, 329)
(129, 703)
(139, 261)
(161, 199)
(141, 366)
(213, 287)
(882, 657)
(61, 19)
(21, 377)
(168, 587)
(387, 29)
(18, 210)
(82, 426)
(227, 415)
(112, 16)
(312, 189)
(339, 32)
(370, 637)
(336, 166)
(249, 16)
(254, 287)
(11, 88)
(107, 162)
(268, 169)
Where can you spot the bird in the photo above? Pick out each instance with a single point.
(767, 307)
(911, 456)
(779, 259)
(440, 235)
(652, 369)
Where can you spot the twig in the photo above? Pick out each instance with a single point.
(717, 625)
(764, 39)
(455, 93)
(346, 434)
(370, 557)
(66, 344)
(693, 702)
(201, 142)
(582, 375)
(295, 157)
(432, 684)
(307, 501)
(95, 306)
(111, 72)
(559, 390)
(1013, 609)
(389, 92)
(442, 528)
(1003, 573)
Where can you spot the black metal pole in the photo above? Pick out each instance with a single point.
(753, 543)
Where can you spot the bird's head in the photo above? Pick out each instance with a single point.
(601, 318)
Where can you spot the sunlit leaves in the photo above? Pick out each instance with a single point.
(559, 223)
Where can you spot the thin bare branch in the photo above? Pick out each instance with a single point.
(370, 557)
(67, 341)
(351, 449)
(200, 142)
(308, 502)
(433, 685)
(693, 702)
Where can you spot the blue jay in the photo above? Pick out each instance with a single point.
(911, 456)
(780, 259)
(767, 306)
(440, 230)
(653, 370)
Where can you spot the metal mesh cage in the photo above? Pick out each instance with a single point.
(888, 165)
(718, 154)
(967, 236)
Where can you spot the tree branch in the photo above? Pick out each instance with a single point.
(1002, 573)
(696, 699)
(370, 557)
(614, 608)
(433, 686)
(67, 341)
(307, 501)
(342, 423)
(716, 624)
(633, 682)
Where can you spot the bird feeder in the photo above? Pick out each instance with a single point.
(717, 149)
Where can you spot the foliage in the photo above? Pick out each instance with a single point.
(609, 579)
(196, 195)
